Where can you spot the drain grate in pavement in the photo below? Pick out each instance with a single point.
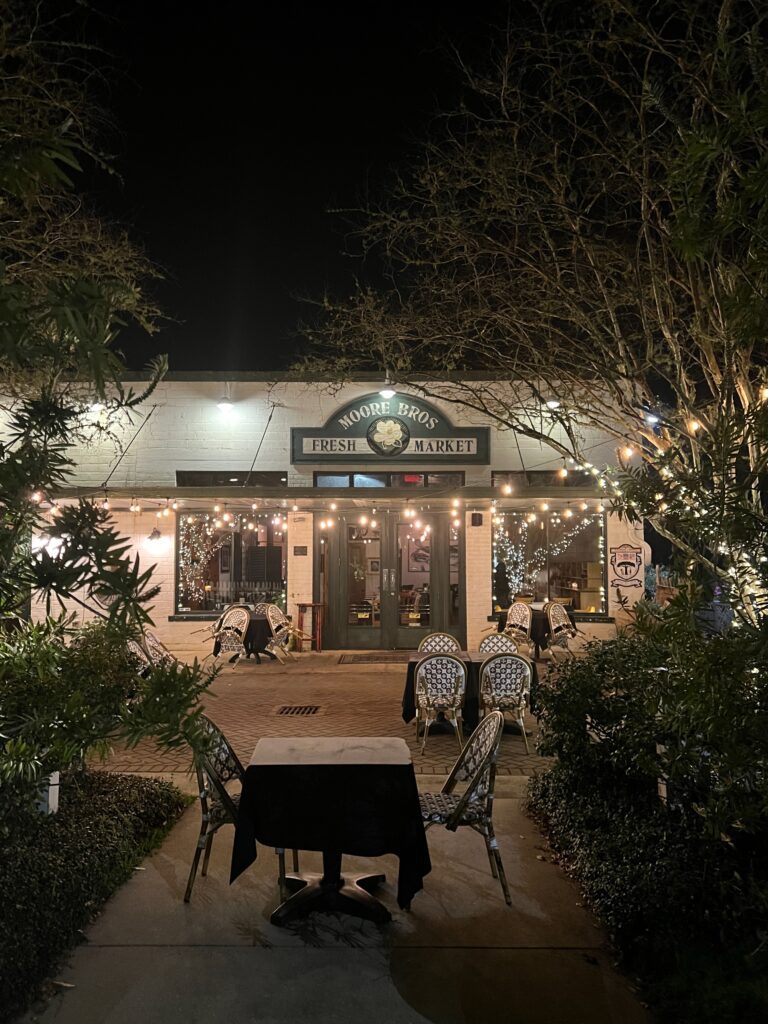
(298, 710)
(377, 658)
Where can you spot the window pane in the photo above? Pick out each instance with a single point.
(519, 558)
(369, 480)
(414, 563)
(453, 575)
(558, 556)
(223, 563)
(332, 480)
(407, 479)
(576, 559)
(445, 479)
(364, 575)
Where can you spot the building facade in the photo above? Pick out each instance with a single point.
(399, 515)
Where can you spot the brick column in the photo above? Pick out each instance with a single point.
(299, 567)
(478, 584)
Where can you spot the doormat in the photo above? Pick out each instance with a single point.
(298, 710)
(376, 658)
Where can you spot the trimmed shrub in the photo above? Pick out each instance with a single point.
(56, 871)
(658, 805)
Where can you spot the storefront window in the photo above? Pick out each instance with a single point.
(230, 558)
(550, 556)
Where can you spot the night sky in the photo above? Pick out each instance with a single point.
(240, 125)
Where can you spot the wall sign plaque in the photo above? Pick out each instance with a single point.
(376, 429)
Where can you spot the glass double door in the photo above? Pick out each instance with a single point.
(388, 579)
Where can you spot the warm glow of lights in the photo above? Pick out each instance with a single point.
(254, 506)
(651, 418)
(456, 502)
(295, 508)
(457, 523)
(166, 511)
(506, 489)
(531, 517)
(217, 523)
(363, 520)
(628, 452)
(226, 517)
(567, 514)
(600, 508)
(217, 508)
(764, 394)
(174, 505)
(36, 497)
(563, 473)
(374, 524)
(333, 506)
(693, 426)
(329, 523)
(251, 526)
(583, 506)
(417, 524)
(190, 519)
(321, 524)
(545, 506)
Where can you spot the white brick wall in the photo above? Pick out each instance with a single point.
(300, 534)
(479, 592)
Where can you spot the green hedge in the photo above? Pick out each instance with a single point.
(56, 871)
(681, 882)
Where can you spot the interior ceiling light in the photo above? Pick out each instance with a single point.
(387, 391)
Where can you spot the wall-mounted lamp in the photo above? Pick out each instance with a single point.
(155, 535)
(225, 403)
(387, 391)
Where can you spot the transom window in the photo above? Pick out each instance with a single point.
(401, 480)
(230, 477)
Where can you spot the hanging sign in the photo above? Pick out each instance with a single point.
(626, 563)
(376, 429)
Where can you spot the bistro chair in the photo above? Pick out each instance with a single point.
(561, 631)
(441, 680)
(229, 635)
(476, 766)
(283, 631)
(505, 682)
(159, 655)
(215, 767)
(518, 625)
(439, 643)
(498, 643)
(143, 664)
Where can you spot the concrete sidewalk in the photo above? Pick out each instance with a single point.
(461, 956)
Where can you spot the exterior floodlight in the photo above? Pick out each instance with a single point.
(552, 403)
(155, 535)
(650, 418)
(387, 391)
(225, 403)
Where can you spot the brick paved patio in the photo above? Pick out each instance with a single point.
(354, 700)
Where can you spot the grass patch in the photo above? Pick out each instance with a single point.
(56, 871)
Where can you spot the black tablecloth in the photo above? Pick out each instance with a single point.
(258, 635)
(471, 709)
(365, 810)
(539, 625)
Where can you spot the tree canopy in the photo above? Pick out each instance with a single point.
(590, 230)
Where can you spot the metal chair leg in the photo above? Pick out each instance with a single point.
(494, 844)
(296, 860)
(207, 857)
(521, 723)
(426, 731)
(201, 842)
(491, 857)
(459, 726)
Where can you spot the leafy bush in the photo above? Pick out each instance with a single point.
(57, 870)
(658, 802)
(65, 694)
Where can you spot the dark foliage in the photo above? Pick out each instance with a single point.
(56, 871)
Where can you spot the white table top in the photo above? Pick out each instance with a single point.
(303, 750)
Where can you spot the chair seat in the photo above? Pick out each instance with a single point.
(438, 808)
(436, 702)
(219, 814)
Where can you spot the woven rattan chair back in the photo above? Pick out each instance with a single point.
(231, 632)
(519, 620)
(476, 768)
(137, 652)
(260, 608)
(439, 643)
(505, 679)
(560, 626)
(441, 680)
(157, 651)
(498, 643)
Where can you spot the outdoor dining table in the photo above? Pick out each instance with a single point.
(471, 707)
(539, 626)
(336, 795)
